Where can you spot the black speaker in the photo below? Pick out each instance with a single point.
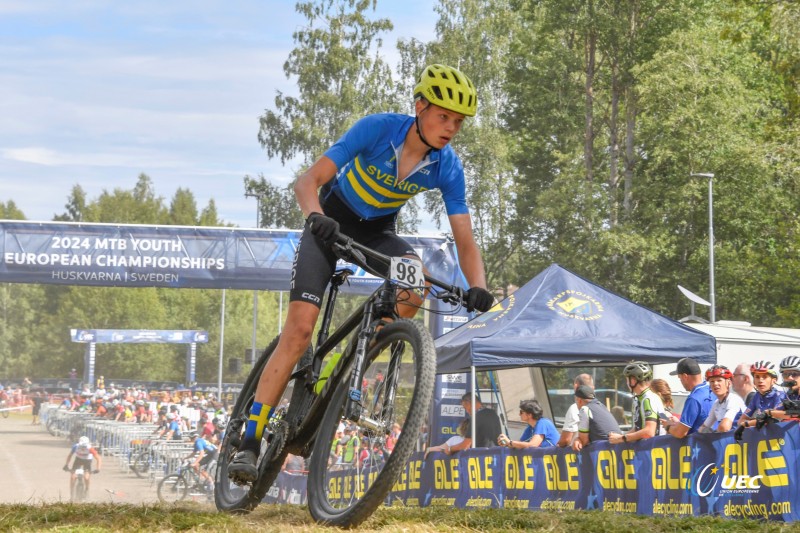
(249, 356)
(234, 365)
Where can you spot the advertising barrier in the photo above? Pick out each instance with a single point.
(710, 474)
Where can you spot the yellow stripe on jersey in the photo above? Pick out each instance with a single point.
(366, 196)
(374, 185)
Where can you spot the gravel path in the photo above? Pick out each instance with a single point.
(31, 462)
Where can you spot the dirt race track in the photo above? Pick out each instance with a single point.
(31, 462)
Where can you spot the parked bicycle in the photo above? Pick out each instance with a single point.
(346, 494)
(183, 484)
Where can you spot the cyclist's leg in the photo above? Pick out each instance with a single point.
(312, 269)
(294, 340)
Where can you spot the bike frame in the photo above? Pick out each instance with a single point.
(365, 320)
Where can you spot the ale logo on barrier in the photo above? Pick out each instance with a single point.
(704, 481)
(576, 305)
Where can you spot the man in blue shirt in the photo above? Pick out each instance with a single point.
(698, 403)
(540, 431)
(358, 186)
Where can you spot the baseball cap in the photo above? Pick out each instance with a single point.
(687, 365)
(585, 392)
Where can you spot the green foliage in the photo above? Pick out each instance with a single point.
(591, 118)
(277, 207)
(10, 211)
(340, 76)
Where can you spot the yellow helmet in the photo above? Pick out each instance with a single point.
(449, 88)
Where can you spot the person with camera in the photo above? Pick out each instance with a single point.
(790, 372)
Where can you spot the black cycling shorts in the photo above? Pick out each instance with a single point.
(314, 262)
(85, 463)
(207, 458)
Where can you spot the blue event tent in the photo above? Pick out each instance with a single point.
(560, 318)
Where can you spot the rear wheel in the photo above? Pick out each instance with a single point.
(142, 462)
(173, 488)
(344, 489)
(229, 496)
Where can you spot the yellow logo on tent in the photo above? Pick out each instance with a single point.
(495, 313)
(576, 304)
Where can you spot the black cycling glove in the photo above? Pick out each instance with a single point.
(323, 227)
(738, 433)
(66, 468)
(479, 299)
(761, 419)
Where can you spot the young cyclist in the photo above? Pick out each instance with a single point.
(203, 452)
(725, 412)
(646, 405)
(84, 453)
(358, 186)
(766, 399)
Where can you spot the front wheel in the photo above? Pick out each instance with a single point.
(173, 488)
(350, 478)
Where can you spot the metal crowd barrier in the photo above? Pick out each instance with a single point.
(122, 440)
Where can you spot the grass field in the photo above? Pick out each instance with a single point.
(64, 517)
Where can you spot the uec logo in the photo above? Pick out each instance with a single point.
(701, 484)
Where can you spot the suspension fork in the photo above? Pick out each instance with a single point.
(381, 304)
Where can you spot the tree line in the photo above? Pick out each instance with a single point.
(592, 118)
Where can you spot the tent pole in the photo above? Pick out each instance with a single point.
(221, 345)
(473, 388)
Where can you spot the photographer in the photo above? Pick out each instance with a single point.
(790, 372)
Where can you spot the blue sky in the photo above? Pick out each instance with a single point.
(96, 92)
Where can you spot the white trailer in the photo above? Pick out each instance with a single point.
(739, 342)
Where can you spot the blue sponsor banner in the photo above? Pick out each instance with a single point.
(702, 474)
(708, 474)
(168, 336)
(119, 255)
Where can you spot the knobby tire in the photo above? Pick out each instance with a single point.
(413, 386)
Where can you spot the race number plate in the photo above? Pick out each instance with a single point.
(407, 272)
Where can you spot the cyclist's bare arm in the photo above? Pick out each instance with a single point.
(469, 255)
(99, 459)
(307, 186)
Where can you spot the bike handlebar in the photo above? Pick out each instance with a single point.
(351, 251)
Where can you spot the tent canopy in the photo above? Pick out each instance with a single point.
(560, 318)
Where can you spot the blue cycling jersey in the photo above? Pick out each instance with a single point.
(201, 444)
(761, 402)
(367, 157)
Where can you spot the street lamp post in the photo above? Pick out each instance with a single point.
(258, 198)
(710, 177)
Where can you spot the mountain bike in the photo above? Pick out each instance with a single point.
(79, 491)
(183, 484)
(323, 399)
